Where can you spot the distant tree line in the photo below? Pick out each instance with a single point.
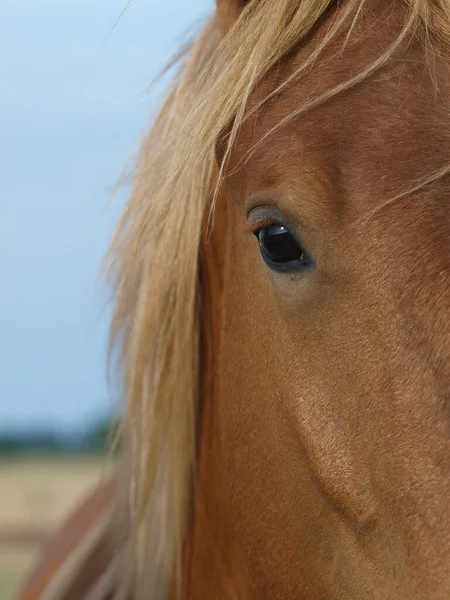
(97, 440)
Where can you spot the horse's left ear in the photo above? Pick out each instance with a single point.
(229, 11)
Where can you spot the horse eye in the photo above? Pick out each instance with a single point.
(280, 250)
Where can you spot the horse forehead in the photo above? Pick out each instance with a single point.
(320, 122)
(393, 102)
(385, 118)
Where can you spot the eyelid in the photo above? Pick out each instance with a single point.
(269, 215)
(264, 216)
(260, 223)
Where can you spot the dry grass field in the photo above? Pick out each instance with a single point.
(35, 494)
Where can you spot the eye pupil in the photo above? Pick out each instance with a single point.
(278, 245)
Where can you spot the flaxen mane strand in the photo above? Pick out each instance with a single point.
(155, 255)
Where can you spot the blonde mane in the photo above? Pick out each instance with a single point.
(154, 259)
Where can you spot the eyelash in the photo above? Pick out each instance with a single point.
(257, 224)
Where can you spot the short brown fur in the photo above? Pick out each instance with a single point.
(331, 409)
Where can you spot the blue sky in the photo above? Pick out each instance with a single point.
(71, 110)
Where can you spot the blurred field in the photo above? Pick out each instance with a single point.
(35, 495)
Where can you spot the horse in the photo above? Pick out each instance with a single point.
(281, 326)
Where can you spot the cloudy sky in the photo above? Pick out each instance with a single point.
(74, 100)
